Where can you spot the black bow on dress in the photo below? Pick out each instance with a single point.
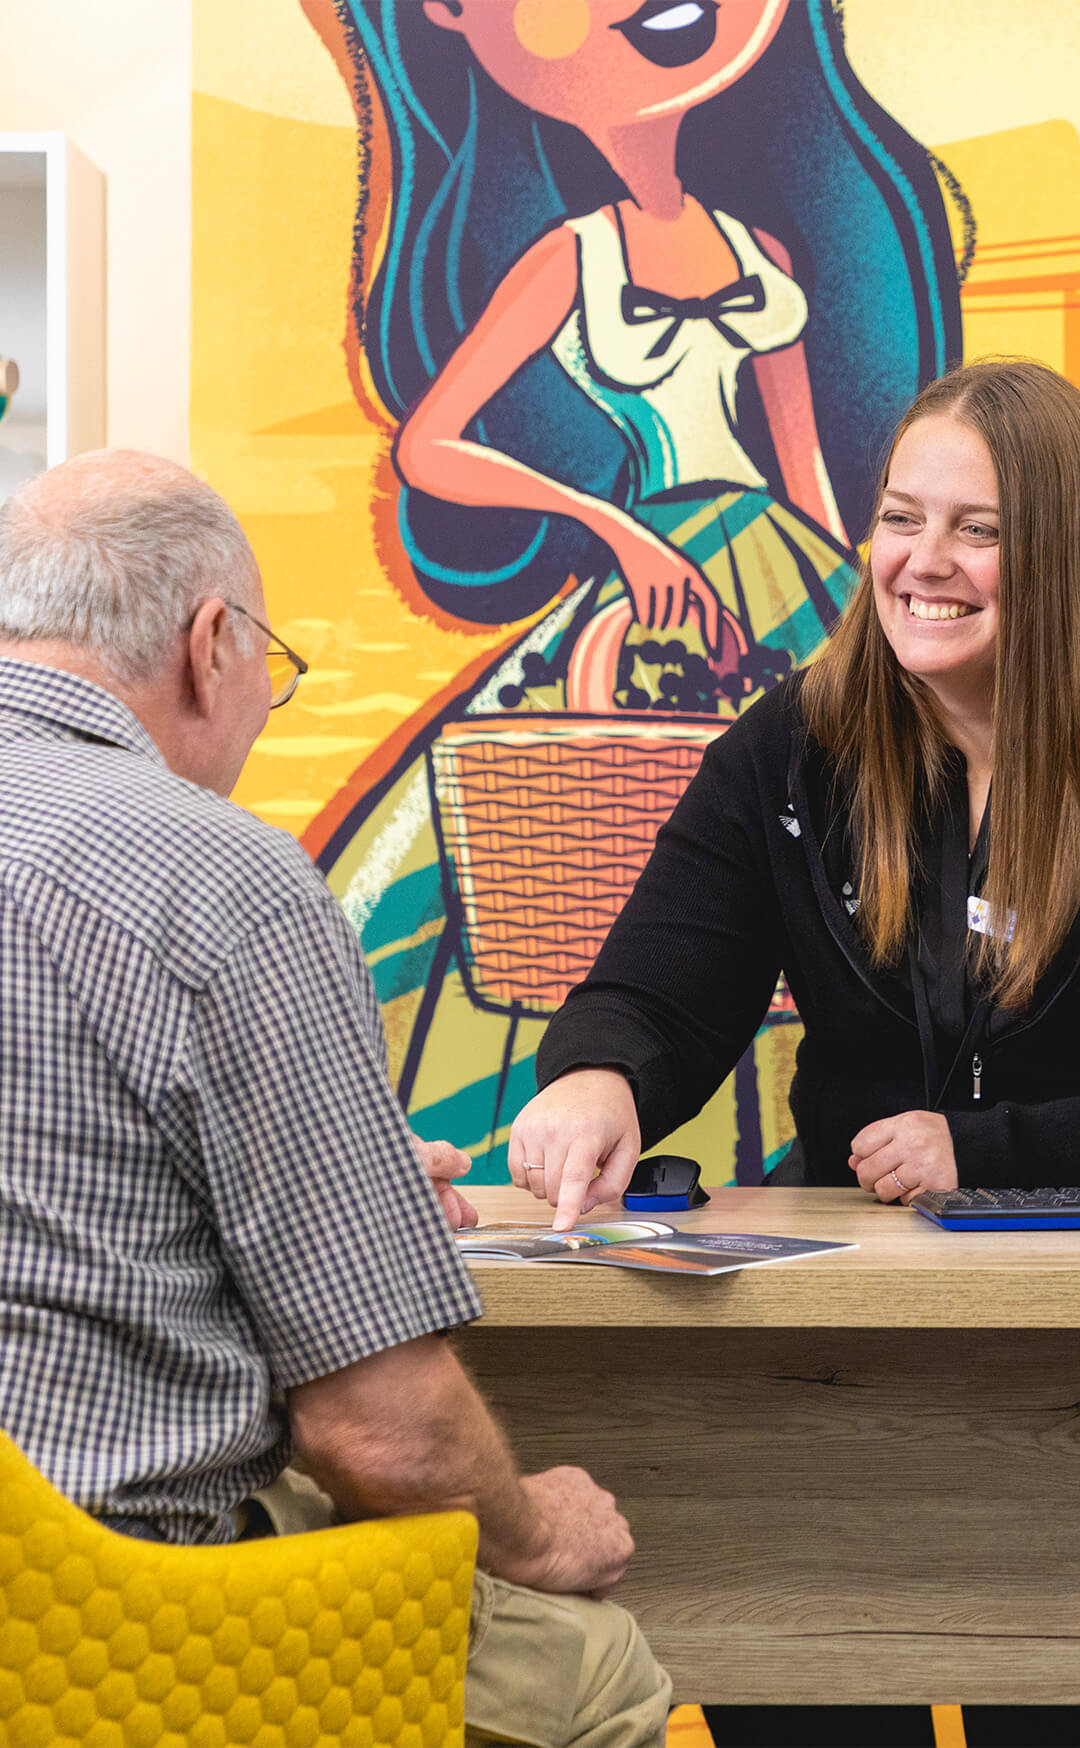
(742, 295)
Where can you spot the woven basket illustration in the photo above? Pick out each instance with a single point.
(546, 824)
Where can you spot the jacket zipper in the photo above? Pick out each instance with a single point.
(826, 902)
(976, 1076)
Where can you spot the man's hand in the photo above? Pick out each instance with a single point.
(586, 1541)
(404, 1431)
(442, 1161)
(898, 1156)
(583, 1124)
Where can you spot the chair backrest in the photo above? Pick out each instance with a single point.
(347, 1635)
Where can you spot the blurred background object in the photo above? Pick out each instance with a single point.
(52, 295)
(9, 382)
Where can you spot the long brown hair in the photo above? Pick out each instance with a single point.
(880, 725)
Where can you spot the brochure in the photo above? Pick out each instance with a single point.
(507, 1241)
(637, 1244)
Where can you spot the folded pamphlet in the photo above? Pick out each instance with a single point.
(637, 1244)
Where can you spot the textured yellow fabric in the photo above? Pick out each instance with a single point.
(345, 1638)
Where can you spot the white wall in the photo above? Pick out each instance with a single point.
(116, 76)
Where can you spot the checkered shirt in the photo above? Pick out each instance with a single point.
(207, 1189)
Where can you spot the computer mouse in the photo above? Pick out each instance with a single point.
(664, 1183)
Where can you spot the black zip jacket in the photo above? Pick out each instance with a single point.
(749, 878)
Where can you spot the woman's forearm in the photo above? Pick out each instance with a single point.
(463, 472)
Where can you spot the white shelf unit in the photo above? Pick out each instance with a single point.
(52, 302)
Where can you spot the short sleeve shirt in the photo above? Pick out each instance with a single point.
(208, 1192)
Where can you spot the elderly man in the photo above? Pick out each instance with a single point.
(217, 1242)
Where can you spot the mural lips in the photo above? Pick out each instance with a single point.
(671, 35)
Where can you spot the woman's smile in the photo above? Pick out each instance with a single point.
(938, 610)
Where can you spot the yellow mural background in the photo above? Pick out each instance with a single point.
(276, 428)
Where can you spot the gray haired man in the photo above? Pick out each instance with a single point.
(217, 1242)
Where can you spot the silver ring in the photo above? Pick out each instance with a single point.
(897, 1182)
(532, 1168)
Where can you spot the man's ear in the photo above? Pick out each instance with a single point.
(445, 13)
(205, 650)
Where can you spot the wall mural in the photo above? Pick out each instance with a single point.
(629, 299)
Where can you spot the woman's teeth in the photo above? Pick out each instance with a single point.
(937, 610)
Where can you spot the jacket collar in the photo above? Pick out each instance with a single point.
(81, 708)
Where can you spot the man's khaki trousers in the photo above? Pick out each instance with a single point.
(548, 1671)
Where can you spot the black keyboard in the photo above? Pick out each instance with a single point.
(999, 1210)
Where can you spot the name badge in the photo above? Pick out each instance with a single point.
(978, 916)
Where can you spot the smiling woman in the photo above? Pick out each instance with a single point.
(840, 832)
(979, 509)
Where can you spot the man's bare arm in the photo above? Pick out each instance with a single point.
(406, 1431)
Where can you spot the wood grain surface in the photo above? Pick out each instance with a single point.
(906, 1273)
(825, 1512)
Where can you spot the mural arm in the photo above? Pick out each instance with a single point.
(432, 454)
(784, 384)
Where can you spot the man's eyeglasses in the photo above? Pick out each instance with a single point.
(283, 664)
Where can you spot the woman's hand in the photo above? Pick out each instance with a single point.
(581, 1125)
(443, 1161)
(663, 584)
(896, 1156)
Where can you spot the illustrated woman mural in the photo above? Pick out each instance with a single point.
(654, 285)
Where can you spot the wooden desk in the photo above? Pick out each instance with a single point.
(853, 1479)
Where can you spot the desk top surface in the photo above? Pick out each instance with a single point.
(906, 1273)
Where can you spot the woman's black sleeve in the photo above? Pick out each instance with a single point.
(1017, 1146)
(684, 977)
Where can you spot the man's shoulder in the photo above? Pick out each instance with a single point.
(235, 835)
(181, 869)
(220, 863)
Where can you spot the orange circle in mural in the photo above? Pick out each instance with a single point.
(552, 29)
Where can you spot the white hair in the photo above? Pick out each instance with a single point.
(113, 554)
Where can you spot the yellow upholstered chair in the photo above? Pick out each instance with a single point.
(342, 1637)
